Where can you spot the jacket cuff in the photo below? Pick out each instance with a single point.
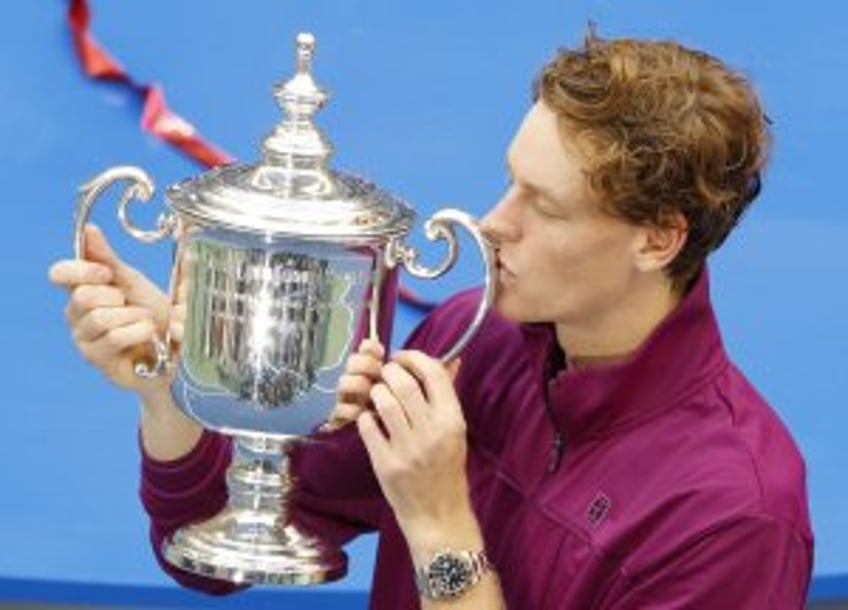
(187, 477)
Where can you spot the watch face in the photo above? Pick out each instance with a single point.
(449, 574)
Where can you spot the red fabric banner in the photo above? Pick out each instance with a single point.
(156, 117)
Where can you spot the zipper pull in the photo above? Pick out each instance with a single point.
(557, 449)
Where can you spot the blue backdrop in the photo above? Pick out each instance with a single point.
(426, 96)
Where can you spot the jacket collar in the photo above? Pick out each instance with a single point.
(679, 356)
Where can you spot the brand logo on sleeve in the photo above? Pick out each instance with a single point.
(598, 509)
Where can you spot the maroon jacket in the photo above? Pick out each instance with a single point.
(663, 482)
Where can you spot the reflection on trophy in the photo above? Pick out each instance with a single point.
(281, 267)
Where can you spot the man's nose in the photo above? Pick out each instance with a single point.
(500, 223)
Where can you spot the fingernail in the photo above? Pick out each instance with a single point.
(327, 426)
(333, 424)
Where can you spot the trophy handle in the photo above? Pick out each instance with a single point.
(440, 226)
(140, 187)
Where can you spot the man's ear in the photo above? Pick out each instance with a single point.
(658, 244)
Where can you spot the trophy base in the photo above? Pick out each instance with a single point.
(244, 546)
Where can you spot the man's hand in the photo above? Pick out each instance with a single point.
(113, 311)
(416, 439)
(353, 395)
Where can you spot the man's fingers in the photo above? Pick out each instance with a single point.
(113, 343)
(136, 286)
(71, 273)
(99, 265)
(98, 249)
(434, 376)
(98, 322)
(176, 323)
(365, 365)
(372, 347)
(86, 298)
(407, 390)
(343, 413)
(354, 388)
(391, 413)
(453, 368)
(346, 411)
(374, 440)
(362, 370)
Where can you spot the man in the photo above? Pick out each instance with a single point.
(594, 447)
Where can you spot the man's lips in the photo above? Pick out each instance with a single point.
(505, 274)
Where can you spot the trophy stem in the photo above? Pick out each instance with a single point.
(252, 540)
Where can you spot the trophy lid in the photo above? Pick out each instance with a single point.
(291, 191)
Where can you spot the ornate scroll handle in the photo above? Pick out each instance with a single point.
(140, 187)
(440, 226)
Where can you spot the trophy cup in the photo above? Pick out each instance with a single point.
(280, 268)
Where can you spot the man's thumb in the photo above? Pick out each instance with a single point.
(98, 250)
(453, 368)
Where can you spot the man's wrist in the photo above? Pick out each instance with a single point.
(425, 537)
(166, 432)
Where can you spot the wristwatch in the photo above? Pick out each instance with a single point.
(449, 574)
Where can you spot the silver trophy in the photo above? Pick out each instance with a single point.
(281, 267)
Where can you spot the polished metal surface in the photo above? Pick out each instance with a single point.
(252, 540)
(291, 192)
(440, 226)
(273, 201)
(280, 269)
(268, 330)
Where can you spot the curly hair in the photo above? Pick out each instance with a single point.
(661, 129)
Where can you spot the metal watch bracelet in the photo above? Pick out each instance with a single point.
(449, 574)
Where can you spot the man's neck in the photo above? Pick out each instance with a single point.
(614, 337)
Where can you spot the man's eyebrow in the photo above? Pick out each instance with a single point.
(543, 191)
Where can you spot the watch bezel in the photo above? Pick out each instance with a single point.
(441, 582)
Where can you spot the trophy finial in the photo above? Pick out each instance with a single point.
(305, 50)
(296, 141)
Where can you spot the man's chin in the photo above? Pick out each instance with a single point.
(510, 309)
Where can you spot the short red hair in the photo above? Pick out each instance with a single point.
(662, 129)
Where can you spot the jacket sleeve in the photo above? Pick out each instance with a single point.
(335, 492)
(181, 491)
(755, 563)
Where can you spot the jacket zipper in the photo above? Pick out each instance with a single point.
(558, 445)
(557, 450)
